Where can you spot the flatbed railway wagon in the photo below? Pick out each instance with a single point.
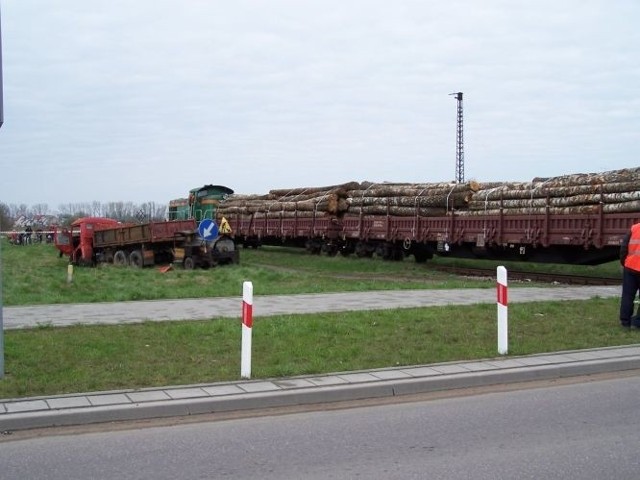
(587, 239)
(577, 218)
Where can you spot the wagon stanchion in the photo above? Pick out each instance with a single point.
(503, 337)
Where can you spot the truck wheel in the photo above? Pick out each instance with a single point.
(120, 258)
(188, 263)
(135, 259)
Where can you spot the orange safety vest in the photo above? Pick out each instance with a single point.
(633, 256)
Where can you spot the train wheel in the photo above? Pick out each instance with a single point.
(362, 251)
(330, 249)
(120, 258)
(422, 254)
(346, 250)
(135, 259)
(188, 263)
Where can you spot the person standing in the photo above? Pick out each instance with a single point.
(630, 260)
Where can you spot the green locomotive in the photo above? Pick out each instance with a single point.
(201, 204)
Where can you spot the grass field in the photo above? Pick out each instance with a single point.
(48, 360)
(35, 275)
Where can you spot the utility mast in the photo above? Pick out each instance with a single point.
(1, 319)
(459, 178)
(1, 105)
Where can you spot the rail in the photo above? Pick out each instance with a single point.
(520, 275)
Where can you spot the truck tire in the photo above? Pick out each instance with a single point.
(120, 258)
(188, 263)
(135, 259)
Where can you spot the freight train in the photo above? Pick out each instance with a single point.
(189, 237)
(555, 238)
(577, 219)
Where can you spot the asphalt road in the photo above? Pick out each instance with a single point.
(571, 431)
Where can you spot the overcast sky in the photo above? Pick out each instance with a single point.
(142, 100)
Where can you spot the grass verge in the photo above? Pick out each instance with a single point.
(47, 361)
(35, 275)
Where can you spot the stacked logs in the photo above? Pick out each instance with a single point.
(367, 198)
(616, 190)
(410, 199)
(300, 202)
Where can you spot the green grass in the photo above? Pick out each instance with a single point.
(35, 275)
(47, 360)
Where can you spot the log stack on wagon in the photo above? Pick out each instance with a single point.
(367, 198)
(617, 190)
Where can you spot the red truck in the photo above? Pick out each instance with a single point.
(94, 240)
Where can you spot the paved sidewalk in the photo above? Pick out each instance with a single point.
(96, 407)
(267, 305)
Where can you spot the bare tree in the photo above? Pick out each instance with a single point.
(39, 209)
(96, 209)
(153, 211)
(5, 217)
(68, 212)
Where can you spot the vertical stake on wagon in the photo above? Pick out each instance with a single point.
(247, 324)
(503, 337)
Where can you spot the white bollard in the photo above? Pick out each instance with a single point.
(503, 329)
(247, 325)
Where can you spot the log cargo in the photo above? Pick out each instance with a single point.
(616, 191)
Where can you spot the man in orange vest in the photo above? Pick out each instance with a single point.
(630, 260)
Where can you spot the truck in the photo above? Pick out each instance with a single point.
(179, 240)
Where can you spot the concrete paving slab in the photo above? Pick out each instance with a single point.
(293, 383)
(111, 399)
(480, 366)
(532, 361)
(68, 402)
(327, 380)
(358, 377)
(390, 374)
(509, 363)
(148, 396)
(180, 393)
(220, 390)
(448, 369)
(422, 371)
(26, 406)
(258, 387)
(559, 358)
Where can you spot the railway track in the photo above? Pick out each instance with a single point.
(531, 276)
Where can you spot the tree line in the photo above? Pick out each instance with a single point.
(67, 213)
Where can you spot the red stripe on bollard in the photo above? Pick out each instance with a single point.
(247, 314)
(502, 294)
